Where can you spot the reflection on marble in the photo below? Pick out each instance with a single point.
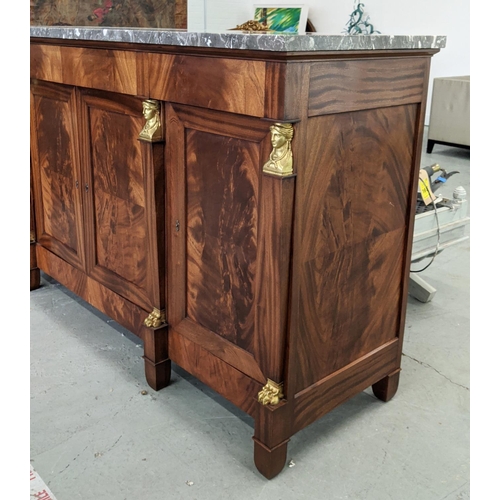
(277, 42)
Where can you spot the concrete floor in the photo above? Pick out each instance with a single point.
(99, 432)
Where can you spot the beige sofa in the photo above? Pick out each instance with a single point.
(449, 122)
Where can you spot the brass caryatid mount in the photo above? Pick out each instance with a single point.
(155, 319)
(271, 393)
(280, 161)
(152, 130)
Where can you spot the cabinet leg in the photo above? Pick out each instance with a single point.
(430, 146)
(272, 433)
(269, 461)
(34, 271)
(157, 364)
(386, 388)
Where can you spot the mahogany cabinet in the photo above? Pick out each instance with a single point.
(258, 235)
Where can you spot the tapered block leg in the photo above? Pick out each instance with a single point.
(269, 461)
(34, 271)
(157, 364)
(430, 146)
(272, 433)
(386, 388)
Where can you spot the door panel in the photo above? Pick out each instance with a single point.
(56, 170)
(214, 226)
(221, 251)
(117, 219)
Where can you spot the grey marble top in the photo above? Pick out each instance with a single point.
(277, 42)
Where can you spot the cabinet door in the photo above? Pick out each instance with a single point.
(56, 171)
(225, 239)
(116, 173)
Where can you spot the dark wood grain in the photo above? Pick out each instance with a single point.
(157, 364)
(273, 428)
(386, 388)
(153, 167)
(274, 90)
(212, 371)
(175, 223)
(269, 461)
(222, 201)
(217, 206)
(223, 84)
(226, 242)
(272, 281)
(295, 108)
(415, 167)
(45, 62)
(34, 270)
(114, 71)
(123, 311)
(115, 197)
(56, 172)
(341, 86)
(225, 350)
(358, 186)
(142, 65)
(320, 398)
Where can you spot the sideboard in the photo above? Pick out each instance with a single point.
(242, 202)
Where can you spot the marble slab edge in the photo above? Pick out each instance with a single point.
(277, 42)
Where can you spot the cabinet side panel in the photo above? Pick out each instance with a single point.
(357, 182)
(222, 200)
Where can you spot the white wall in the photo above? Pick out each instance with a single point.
(391, 17)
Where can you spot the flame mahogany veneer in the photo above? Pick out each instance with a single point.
(302, 279)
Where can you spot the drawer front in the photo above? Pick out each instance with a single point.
(113, 70)
(45, 63)
(233, 85)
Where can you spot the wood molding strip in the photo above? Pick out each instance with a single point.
(229, 382)
(113, 305)
(224, 349)
(320, 398)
